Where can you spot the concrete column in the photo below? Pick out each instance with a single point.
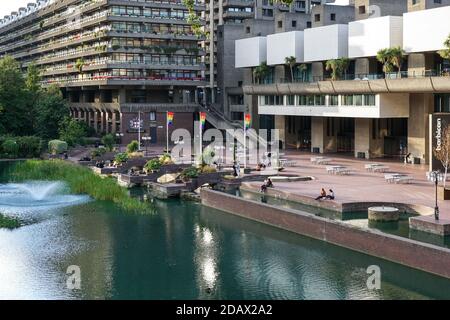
(418, 63)
(363, 136)
(362, 66)
(280, 124)
(85, 115)
(96, 120)
(114, 122)
(102, 121)
(318, 132)
(89, 118)
(122, 96)
(420, 106)
(317, 70)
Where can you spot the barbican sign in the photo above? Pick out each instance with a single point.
(438, 122)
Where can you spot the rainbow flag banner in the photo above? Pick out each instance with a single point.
(247, 121)
(170, 116)
(203, 119)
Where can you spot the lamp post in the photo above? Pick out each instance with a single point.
(146, 139)
(119, 135)
(435, 175)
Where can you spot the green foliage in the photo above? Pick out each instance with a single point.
(50, 111)
(260, 72)
(445, 53)
(121, 158)
(17, 109)
(165, 159)
(79, 64)
(190, 173)
(338, 67)
(33, 78)
(29, 146)
(57, 146)
(291, 62)
(109, 140)
(8, 222)
(98, 152)
(208, 169)
(153, 165)
(133, 146)
(80, 180)
(10, 148)
(391, 58)
(72, 131)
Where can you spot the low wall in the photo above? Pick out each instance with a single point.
(340, 207)
(404, 251)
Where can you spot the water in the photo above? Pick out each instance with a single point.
(183, 251)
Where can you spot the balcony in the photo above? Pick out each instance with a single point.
(403, 82)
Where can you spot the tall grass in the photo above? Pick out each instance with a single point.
(80, 180)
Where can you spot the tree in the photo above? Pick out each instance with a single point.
(384, 57)
(337, 67)
(33, 79)
(109, 140)
(397, 54)
(442, 152)
(291, 62)
(72, 131)
(50, 111)
(16, 113)
(303, 68)
(445, 53)
(260, 72)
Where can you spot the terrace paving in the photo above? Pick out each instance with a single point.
(361, 185)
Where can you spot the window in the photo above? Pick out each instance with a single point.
(247, 30)
(369, 100)
(290, 100)
(308, 24)
(317, 17)
(438, 1)
(153, 116)
(334, 100)
(362, 9)
(294, 24)
(333, 17)
(280, 24)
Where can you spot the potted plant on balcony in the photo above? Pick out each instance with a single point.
(442, 153)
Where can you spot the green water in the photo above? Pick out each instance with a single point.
(186, 251)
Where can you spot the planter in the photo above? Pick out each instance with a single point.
(443, 194)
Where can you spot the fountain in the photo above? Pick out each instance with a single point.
(37, 194)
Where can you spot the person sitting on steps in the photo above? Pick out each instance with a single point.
(323, 195)
(330, 196)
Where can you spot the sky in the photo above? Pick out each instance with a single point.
(8, 6)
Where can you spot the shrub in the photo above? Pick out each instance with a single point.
(121, 158)
(133, 146)
(165, 159)
(8, 222)
(109, 141)
(57, 147)
(72, 131)
(98, 152)
(208, 169)
(29, 146)
(10, 148)
(189, 173)
(153, 165)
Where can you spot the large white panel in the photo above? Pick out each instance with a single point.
(250, 52)
(426, 30)
(325, 43)
(367, 37)
(285, 44)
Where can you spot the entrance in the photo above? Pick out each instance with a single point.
(153, 135)
(345, 135)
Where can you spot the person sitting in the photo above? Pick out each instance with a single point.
(330, 195)
(269, 183)
(408, 158)
(264, 186)
(323, 195)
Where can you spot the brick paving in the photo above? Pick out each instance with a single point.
(361, 185)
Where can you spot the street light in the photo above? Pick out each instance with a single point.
(435, 175)
(119, 136)
(146, 138)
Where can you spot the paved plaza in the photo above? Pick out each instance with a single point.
(361, 185)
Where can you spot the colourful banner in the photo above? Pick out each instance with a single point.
(247, 121)
(203, 119)
(170, 116)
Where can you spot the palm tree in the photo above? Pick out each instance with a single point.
(385, 58)
(303, 68)
(337, 67)
(291, 62)
(397, 55)
(260, 72)
(445, 53)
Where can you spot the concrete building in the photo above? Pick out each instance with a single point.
(113, 59)
(236, 19)
(363, 112)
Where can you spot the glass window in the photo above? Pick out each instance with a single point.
(334, 100)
